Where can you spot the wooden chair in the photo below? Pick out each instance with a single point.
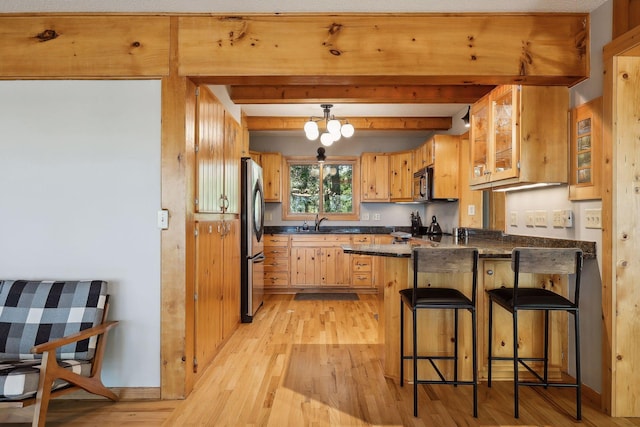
(52, 341)
(516, 299)
(440, 260)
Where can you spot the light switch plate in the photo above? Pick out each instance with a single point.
(163, 219)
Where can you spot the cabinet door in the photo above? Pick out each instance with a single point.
(445, 169)
(230, 284)
(210, 153)
(208, 289)
(305, 266)
(375, 177)
(504, 116)
(586, 151)
(335, 267)
(479, 141)
(232, 155)
(272, 178)
(401, 176)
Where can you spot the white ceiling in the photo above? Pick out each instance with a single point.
(273, 6)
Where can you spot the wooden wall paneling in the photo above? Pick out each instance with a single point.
(84, 46)
(541, 48)
(177, 242)
(626, 16)
(626, 239)
(232, 154)
(619, 211)
(211, 152)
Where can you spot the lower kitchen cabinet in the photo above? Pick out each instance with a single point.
(319, 261)
(276, 263)
(362, 265)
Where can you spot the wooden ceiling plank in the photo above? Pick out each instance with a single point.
(300, 94)
(263, 123)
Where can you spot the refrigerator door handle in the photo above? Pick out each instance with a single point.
(258, 258)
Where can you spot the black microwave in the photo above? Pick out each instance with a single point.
(422, 185)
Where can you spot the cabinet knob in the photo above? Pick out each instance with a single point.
(489, 272)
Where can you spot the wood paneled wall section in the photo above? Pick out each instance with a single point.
(620, 226)
(626, 16)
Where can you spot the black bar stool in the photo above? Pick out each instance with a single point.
(540, 261)
(440, 260)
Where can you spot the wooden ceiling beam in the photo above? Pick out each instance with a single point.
(263, 123)
(447, 94)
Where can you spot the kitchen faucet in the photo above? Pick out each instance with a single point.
(319, 221)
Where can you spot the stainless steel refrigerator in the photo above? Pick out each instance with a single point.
(252, 243)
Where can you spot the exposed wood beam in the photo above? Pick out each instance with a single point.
(264, 123)
(441, 49)
(357, 94)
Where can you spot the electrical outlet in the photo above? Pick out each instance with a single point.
(471, 210)
(531, 217)
(567, 218)
(376, 216)
(365, 216)
(514, 218)
(557, 219)
(593, 218)
(540, 219)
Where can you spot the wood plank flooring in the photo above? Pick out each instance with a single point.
(316, 363)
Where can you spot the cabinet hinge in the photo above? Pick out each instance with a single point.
(196, 148)
(518, 165)
(196, 232)
(195, 363)
(195, 297)
(196, 202)
(198, 91)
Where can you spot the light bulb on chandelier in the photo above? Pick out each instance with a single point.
(334, 128)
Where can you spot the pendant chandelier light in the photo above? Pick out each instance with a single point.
(333, 127)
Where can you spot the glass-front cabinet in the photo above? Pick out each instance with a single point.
(518, 136)
(494, 150)
(586, 151)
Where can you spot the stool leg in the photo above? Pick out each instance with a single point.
(415, 364)
(455, 349)
(515, 364)
(474, 358)
(546, 348)
(401, 343)
(578, 373)
(490, 342)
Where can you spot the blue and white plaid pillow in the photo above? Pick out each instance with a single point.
(34, 312)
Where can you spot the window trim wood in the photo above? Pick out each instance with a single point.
(354, 216)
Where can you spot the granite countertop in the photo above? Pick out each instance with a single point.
(489, 246)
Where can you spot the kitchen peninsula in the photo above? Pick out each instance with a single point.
(494, 272)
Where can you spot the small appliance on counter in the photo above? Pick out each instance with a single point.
(416, 224)
(434, 227)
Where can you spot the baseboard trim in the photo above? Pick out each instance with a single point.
(125, 394)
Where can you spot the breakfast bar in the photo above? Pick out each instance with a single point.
(494, 272)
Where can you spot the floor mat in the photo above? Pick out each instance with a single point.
(326, 296)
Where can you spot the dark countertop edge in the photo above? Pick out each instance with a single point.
(337, 229)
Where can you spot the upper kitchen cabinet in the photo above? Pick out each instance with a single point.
(586, 151)
(272, 176)
(375, 177)
(217, 156)
(518, 136)
(446, 154)
(423, 156)
(401, 176)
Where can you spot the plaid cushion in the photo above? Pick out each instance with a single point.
(19, 380)
(34, 312)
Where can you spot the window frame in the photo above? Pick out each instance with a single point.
(305, 160)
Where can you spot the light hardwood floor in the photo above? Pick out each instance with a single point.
(316, 363)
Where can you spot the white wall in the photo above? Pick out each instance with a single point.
(79, 192)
